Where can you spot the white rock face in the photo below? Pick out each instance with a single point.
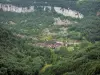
(12, 8)
(68, 12)
(63, 11)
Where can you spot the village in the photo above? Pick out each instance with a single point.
(55, 44)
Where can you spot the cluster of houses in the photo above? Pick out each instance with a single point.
(98, 13)
(50, 45)
(56, 44)
(58, 21)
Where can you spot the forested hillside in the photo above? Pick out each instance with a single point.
(49, 43)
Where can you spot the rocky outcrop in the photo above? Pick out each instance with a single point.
(12, 8)
(63, 11)
(68, 12)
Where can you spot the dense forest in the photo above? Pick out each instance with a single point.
(48, 43)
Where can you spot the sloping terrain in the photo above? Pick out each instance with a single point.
(49, 43)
